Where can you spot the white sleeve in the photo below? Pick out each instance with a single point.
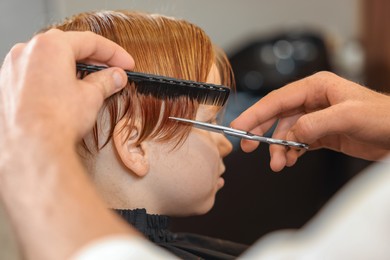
(355, 224)
(121, 248)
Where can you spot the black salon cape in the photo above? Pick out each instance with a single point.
(183, 245)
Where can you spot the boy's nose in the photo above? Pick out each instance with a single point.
(225, 147)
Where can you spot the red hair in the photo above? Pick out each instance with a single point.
(160, 45)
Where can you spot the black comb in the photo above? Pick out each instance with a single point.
(167, 88)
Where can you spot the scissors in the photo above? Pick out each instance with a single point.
(239, 133)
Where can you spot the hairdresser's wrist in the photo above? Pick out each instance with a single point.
(30, 152)
(49, 178)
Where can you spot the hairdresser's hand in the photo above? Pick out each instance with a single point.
(44, 110)
(40, 93)
(324, 111)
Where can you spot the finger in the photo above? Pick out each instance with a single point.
(313, 126)
(15, 52)
(10, 61)
(103, 84)
(277, 102)
(279, 153)
(303, 95)
(248, 145)
(278, 157)
(95, 47)
(292, 156)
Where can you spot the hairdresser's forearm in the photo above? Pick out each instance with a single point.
(57, 210)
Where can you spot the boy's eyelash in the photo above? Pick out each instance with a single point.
(212, 121)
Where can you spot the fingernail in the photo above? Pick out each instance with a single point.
(118, 80)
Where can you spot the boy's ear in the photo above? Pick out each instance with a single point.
(133, 157)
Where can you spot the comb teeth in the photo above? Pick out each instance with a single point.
(170, 88)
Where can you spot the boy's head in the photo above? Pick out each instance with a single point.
(140, 158)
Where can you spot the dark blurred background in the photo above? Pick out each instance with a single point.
(256, 201)
(269, 43)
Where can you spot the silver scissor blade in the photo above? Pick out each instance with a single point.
(206, 126)
(239, 133)
(267, 140)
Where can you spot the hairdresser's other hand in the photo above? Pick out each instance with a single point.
(44, 110)
(324, 111)
(39, 90)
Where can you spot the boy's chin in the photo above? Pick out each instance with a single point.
(192, 211)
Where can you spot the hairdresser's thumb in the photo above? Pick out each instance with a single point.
(107, 81)
(310, 127)
(302, 131)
